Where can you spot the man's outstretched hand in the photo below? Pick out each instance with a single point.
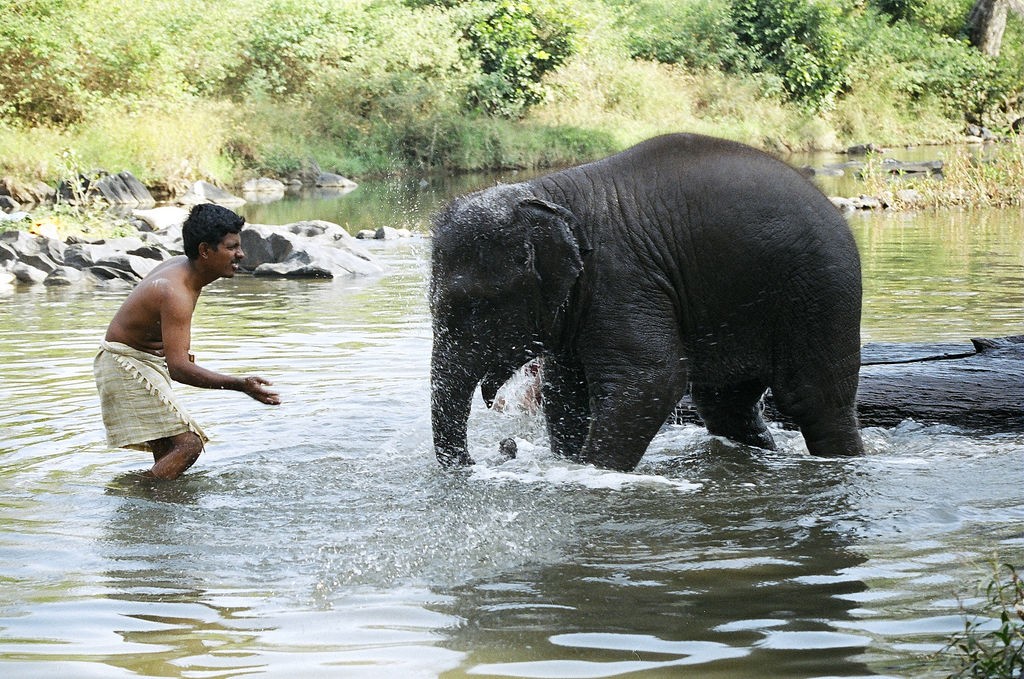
(256, 387)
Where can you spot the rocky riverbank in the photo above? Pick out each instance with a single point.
(31, 251)
(309, 249)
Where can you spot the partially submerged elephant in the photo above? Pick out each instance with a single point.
(684, 258)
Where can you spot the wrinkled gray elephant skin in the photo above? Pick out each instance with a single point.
(683, 259)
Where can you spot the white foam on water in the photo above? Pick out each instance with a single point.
(529, 467)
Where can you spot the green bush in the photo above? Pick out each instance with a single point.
(285, 43)
(62, 60)
(198, 89)
(694, 34)
(516, 43)
(395, 96)
(798, 41)
(36, 65)
(943, 72)
(946, 17)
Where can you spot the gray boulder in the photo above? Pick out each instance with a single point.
(8, 256)
(132, 267)
(16, 216)
(63, 276)
(26, 273)
(84, 255)
(26, 193)
(123, 189)
(329, 180)
(313, 249)
(263, 190)
(383, 233)
(205, 192)
(391, 233)
(161, 218)
(844, 205)
(863, 149)
(312, 262)
(110, 275)
(36, 251)
(170, 239)
(263, 185)
(318, 228)
(37, 259)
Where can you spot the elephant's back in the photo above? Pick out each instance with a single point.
(750, 249)
(697, 195)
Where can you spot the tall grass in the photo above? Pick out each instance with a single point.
(972, 177)
(159, 145)
(634, 100)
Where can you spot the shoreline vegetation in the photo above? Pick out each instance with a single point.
(175, 93)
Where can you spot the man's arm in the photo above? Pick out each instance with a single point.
(176, 330)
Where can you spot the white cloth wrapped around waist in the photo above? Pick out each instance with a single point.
(136, 397)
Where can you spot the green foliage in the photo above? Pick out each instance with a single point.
(33, 57)
(285, 43)
(516, 42)
(991, 646)
(393, 98)
(946, 17)
(798, 41)
(61, 59)
(938, 71)
(698, 35)
(174, 90)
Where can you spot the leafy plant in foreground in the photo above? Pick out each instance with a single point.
(993, 653)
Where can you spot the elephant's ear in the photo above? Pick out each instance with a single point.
(556, 253)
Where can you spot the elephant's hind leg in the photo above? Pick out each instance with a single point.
(734, 411)
(827, 417)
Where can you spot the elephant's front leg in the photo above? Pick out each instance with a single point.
(566, 405)
(631, 401)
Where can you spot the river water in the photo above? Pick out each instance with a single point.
(321, 539)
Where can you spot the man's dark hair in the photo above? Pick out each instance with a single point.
(208, 223)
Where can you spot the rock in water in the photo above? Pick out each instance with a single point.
(508, 448)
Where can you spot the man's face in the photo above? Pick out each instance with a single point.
(225, 257)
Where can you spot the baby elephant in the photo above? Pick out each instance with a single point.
(685, 259)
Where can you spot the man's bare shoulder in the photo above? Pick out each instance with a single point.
(166, 279)
(170, 268)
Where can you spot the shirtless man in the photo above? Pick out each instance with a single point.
(147, 346)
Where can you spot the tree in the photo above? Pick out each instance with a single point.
(517, 42)
(987, 21)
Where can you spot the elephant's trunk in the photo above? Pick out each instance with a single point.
(451, 395)
(495, 380)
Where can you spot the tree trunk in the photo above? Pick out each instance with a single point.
(977, 386)
(985, 25)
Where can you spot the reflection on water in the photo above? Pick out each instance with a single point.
(320, 538)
